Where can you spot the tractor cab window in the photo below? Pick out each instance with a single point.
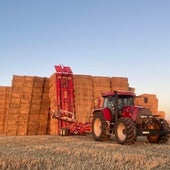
(109, 102)
(125, 101)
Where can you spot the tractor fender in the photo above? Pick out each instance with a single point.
(106, 113)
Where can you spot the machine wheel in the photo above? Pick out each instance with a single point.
(160, 138)
(100, 128)
(125, 131)
(164, 138)
(153, 138)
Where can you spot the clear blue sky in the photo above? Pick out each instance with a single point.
(95, 37)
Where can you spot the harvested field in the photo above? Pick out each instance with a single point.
(80, 152)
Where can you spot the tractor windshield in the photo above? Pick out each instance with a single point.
(125, 101)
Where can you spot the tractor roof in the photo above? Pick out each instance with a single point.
(120, 93)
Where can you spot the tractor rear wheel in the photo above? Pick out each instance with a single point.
(164, 138)
(100, 128)
(125, 131)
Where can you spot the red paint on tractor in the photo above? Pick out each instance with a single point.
(130, 111)
(107, 114)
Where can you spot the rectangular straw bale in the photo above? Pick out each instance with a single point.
(13, 119)
(2, 128)
(28, 79)
(17, 81)
(25, 101)
(97, 92)
(2, 103)
(16, 101)
(33, 119)
(1, 115)
(53, 129)
(11, 130)
(161, 114)
(43, 119)
(2, 92)
(119, 83)
(25, 107)
(23, 119)
(35, 110)
(4, 100)
(99, 81)
(82, 80)
(152, 102)
(52, 80)
(52, 92)
(28, 82)
(13, 110)
(37, 93)
(22, 130)
(26, 91)
(17, 78)
(83, 109)
(46, 82)
(32, 129)
(2, 89)
(83, 93)
(35, 102)
(15, 94)
(38, 82)
(42, 130)
(14, 105)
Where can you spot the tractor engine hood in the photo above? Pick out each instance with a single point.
(131, 112)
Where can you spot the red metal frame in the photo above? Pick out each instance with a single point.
(64, 91)
(65, 102)
(64, 88)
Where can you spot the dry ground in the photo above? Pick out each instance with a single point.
(80, 153)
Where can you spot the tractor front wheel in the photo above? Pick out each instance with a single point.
(100, 128)
(125, 131)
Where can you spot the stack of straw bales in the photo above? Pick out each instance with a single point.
(152, 102)
(100, 85)
(4, 104)
(83, 92)
(39, 107)
(53, 123)
(161, 114)
(19, 100)
(28, 106)
(119, 83)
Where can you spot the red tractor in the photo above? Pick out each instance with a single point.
(120, 117)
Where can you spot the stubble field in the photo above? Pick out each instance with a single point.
(80, 153)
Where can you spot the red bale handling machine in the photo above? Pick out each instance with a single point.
(67, 123)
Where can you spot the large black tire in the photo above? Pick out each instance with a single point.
(154, 138)
(100, 129)
(125, 131)
(160, 138)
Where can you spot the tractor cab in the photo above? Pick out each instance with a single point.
(116, 101)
